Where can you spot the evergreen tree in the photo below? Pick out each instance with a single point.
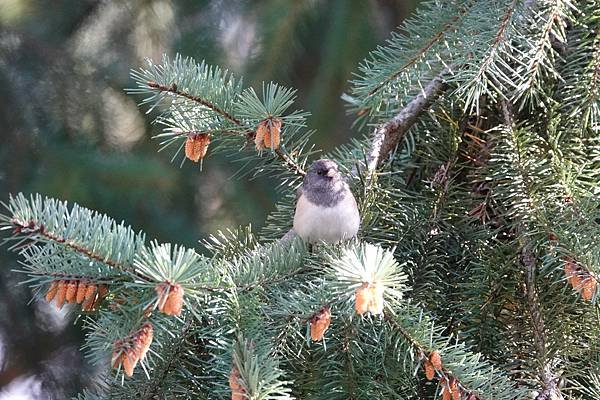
(475, 273)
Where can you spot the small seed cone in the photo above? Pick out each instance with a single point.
(570, 272)
(363, 298)
(588, 288)
(455, 391)
(259, 139)
(576, 281)
(234, 376)
(446, 394)
(90, 292)
(130, 360)
(61, 294)
(71, 293)
(267, 139)
(237, 390)
(376, 298)
(90, 298)
(102, 291)
(320, 323)
(273, 135)
(52, 291)
(196, 146)
(436, 360)
(89, 305)
(238, 395)
(174, 302)
(144, 339)
(80, 296)
(429, 370)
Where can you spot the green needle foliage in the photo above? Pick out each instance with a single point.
(480, 227)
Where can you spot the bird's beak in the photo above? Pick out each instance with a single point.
(331, 173)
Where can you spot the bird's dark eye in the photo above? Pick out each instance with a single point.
(320, 172)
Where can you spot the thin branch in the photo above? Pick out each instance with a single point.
(173, 89)
(31, 228)
(174, 355)
(289, 162)
(387, 136)
(550, 390)
(422, 353)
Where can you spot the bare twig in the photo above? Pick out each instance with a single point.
(388, 135)
(289, 162)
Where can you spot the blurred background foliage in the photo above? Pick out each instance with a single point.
(69, 131)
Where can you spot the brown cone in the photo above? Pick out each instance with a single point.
(237, 390)
(319, 323)
(261, 132)
(102, 291)
(196, 146)
(144, 338)
(446, 394)
(130, 360)
(273, 135)
(588, 288)
(61, 294)
(455, 391)
(52, 291)
(429, 370)
(174, 302)
(80, 296)
(71, 293)
(436, 360)
(362, 299)
(90, 292)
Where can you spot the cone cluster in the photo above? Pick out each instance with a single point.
(580, 279)
(450, 389)
(196, 146)
(237, 390)
(319, 323)
(170, 298)
(127, 352)
(431, 364)
(79, 291)
(369, 297)
(268, 134)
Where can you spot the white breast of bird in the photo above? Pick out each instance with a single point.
(328, 224)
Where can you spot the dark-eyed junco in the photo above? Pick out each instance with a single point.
(326, 209)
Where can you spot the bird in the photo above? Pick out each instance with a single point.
(326, 210)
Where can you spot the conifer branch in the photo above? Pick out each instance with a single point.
(438, 36)
(38, 229)
(173, 89)
(387, 136)
(175, 352)
(218, 93)
(549, 379)
(528, 258)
